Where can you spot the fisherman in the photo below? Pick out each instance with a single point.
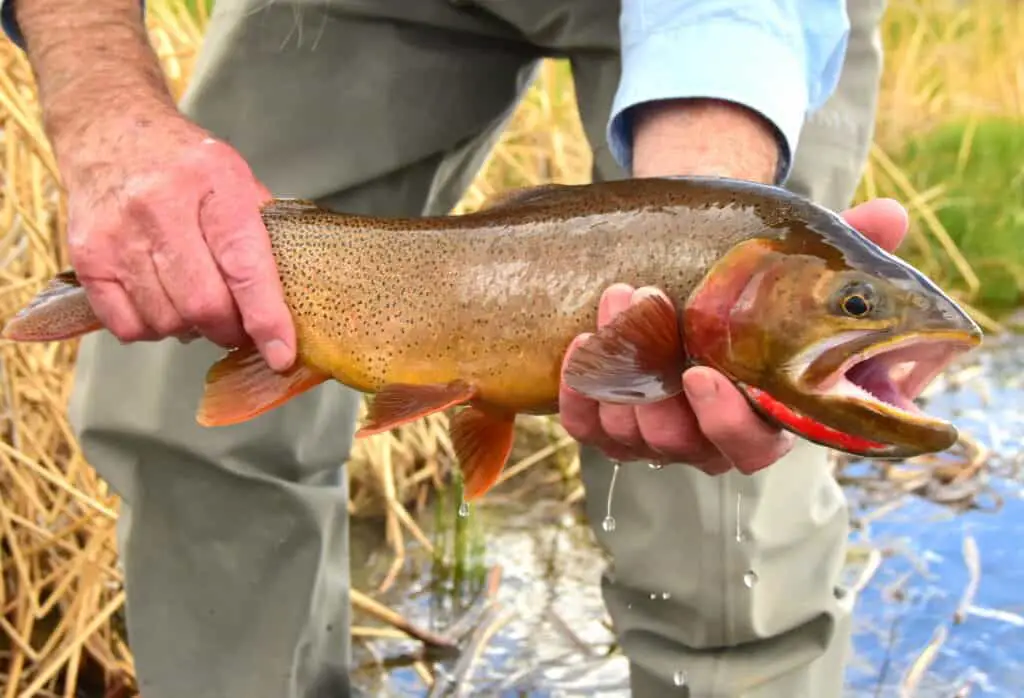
(235, 540)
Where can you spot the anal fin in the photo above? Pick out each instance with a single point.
(636, 358)
(242, 386)
(400, 403)
(482, 442)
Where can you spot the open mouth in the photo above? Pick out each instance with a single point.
(887, 376)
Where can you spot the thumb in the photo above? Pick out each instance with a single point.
(884, 221)
(264, 193)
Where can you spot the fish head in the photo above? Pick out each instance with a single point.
(830, 336)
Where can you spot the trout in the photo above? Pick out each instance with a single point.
(823, 331)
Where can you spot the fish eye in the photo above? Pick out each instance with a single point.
(857, 298)
(856, 305)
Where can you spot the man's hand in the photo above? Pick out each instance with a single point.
(711, 426)
(164, 227)
(165, 235)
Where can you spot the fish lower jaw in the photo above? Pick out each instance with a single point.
(886, 377)
(896, 406)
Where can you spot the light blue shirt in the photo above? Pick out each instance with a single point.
(780, 58)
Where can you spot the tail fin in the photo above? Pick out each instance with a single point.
(59, 311)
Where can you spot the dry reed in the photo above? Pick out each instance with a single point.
(60, 587)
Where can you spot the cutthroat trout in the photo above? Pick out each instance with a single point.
(823, 331)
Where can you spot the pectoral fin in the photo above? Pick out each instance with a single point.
(401, 403)
(242, 386)
(636, 358)
(482, 444)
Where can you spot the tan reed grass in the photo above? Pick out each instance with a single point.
(60, 586)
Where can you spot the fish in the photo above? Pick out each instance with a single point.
(828, 335)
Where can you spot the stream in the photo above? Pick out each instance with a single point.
(556, 642)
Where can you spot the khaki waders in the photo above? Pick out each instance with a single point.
(235, 540)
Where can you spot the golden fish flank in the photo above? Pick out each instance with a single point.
(826, 333)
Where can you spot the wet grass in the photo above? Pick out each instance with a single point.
(458, 572)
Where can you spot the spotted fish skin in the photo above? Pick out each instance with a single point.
(495, 297)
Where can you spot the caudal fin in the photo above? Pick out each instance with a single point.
(59, 311)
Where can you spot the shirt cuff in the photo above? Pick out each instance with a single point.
(10, 26)
(727, 60)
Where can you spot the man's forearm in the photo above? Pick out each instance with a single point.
(91, 59)
(703, 137)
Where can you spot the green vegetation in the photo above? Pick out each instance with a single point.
(979, 168)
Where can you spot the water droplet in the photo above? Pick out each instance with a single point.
(463, 509)
(609, 521)
(655, 466)
(750, 579)
(679, 678)
(739, 513)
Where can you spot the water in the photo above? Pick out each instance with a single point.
(557, 643)
(739, 518)
(608, 524)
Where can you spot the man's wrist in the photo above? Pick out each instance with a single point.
(702, 136)
(93, 65)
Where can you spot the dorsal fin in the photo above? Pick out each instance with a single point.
(289, 207)
(526, 196)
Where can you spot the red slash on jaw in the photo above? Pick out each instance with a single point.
(809, 428)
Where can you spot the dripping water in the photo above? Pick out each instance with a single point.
(739, 517)
(609, 521)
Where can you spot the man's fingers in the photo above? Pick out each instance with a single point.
(619, 421)
(208, 307)
(581, 417)
(719, 465)
(115, 311)
(149, 297)
(670, 428)
(240, 245)
(728, 421)
(264, 194)
(579, 414)
(613, 301)
(193, 282)
(883, 220)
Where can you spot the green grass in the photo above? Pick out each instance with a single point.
(979, 167)
(199, 8)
